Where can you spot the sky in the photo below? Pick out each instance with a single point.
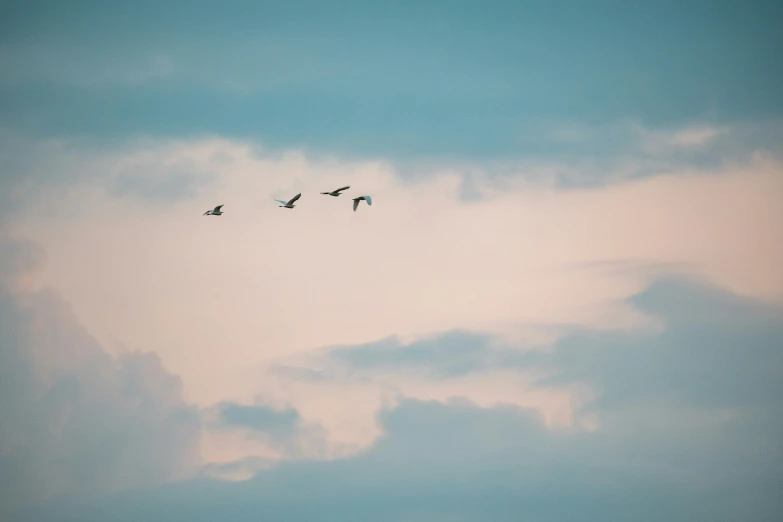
(564, 304)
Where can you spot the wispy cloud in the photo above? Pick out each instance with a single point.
(682, 138)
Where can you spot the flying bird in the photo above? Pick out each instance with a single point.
(336, 193)
(214, 212)
(289, 204)
(356, 201)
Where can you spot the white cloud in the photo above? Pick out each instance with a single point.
(631, 133)
(690, 137)
(224, 297)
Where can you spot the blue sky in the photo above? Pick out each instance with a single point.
(410, 79)
(565, 302)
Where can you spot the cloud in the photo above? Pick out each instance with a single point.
(156, 187)
(703, 336)
(694, 137)
(295, 372)
(258, 418)
(710, 336)
(148, 172)
(23, 260)
(685, 418)
(449, 355)
(239, 439)
(533, 262)
(78, 422)
(483, 342)
(632, 134)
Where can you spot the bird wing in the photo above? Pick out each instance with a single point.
(355, 204)
(294, 199)
(344, 188)
(281, 201)
(217, 208)
(207, 213)
(368, 199)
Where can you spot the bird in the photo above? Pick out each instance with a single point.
(214, 212)
(336, 193)
(289, 204)
(356, 201)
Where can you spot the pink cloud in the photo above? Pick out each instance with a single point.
(222, 298)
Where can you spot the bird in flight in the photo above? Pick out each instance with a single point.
(214, 212)
(356, 201)
(289, 204)
(336, 193)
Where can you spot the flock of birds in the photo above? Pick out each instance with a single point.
(290, 203)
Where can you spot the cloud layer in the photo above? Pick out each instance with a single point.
(687, 420)
(78, 422)
(238, 297)
(565, 303)
(552, 370)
